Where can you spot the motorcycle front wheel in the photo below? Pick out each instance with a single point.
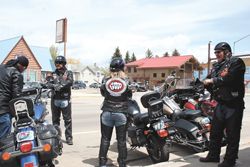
(158, 151)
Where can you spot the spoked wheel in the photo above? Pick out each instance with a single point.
(157, 152)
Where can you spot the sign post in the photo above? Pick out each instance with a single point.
(61, 32)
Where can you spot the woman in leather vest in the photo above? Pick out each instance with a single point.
(115, 105)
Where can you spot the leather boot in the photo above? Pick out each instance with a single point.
(121, 145)
(210, 158)
(105, 142)
(226, 163)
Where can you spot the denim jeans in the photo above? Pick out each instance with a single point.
(5, 124)
(61, 103)
(113, 118)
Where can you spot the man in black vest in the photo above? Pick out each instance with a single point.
(61, 97)
(227, 84)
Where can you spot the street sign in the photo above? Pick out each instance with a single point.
(61, 30)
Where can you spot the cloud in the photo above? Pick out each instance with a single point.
(96, 28)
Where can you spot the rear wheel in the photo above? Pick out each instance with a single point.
(158, 150)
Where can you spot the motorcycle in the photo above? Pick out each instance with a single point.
(34, 142)
(191, 127)
(150, 129)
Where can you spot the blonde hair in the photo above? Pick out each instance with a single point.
(118, 74)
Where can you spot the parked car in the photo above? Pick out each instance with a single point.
(138, 86)
(32, 84)
(95, 85)
(78, 85)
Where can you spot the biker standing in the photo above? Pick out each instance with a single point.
(11, 85)
(115, 105)
(227, 84)
(61, 97)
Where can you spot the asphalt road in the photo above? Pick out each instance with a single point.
(86, 132)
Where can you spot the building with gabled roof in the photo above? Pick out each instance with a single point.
(39, 57)
(91, 74)
(155, 70)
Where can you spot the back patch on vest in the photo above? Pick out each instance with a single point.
(116, 86)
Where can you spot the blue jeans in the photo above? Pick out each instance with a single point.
(112, 119)
(5, 124)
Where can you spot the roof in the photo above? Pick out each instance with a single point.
(161, 62)
(43, 56)
(7, 45)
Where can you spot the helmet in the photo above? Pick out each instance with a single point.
(117, 64)
(223, 46)
(60, 60)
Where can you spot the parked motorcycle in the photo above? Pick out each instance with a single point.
(151, 129)
(34, 142)
(191, 128)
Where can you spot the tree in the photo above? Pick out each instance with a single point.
(117, 53)
(133, 58)
(166, 54)
(175, 53)
(127, 57)
(53, 52)
(149, 54)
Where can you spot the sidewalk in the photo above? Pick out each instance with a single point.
(193, 160)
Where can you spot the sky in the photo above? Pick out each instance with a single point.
(97, 27)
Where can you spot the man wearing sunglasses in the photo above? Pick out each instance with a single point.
(61, 97)
(11, 85)
(226, 82)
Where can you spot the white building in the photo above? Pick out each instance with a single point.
(91, 74)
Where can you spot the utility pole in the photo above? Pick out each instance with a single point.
(208, 58)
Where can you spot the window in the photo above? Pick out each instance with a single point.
(135, 70)
(163, 75)
(154, 75)
(247, 70)
(129, 69)
(32, 75)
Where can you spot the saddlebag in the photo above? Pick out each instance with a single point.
(7, 144)
(47, 134)
(136, 135)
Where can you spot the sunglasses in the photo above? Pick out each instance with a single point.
(59, 62)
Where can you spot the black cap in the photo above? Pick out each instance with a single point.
(23, 61)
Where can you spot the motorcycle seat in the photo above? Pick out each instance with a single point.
(190, 114)
(141, 118)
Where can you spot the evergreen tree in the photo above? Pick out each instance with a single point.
(127, 57)
(117, 53)
(133, 58)
(175, 53)
(149, 54)
(166, 54)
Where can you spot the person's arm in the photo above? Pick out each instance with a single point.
(236, 69)
(17, 84)
(102, 87)
(65, 83)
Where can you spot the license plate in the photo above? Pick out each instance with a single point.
(159, 125)
(25, 136)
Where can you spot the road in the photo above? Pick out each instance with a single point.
(86, 131)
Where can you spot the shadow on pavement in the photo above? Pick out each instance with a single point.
(181, 150)
(95, 162)
(191, 161)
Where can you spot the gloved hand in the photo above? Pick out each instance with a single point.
(57, 87)
(208, 81)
